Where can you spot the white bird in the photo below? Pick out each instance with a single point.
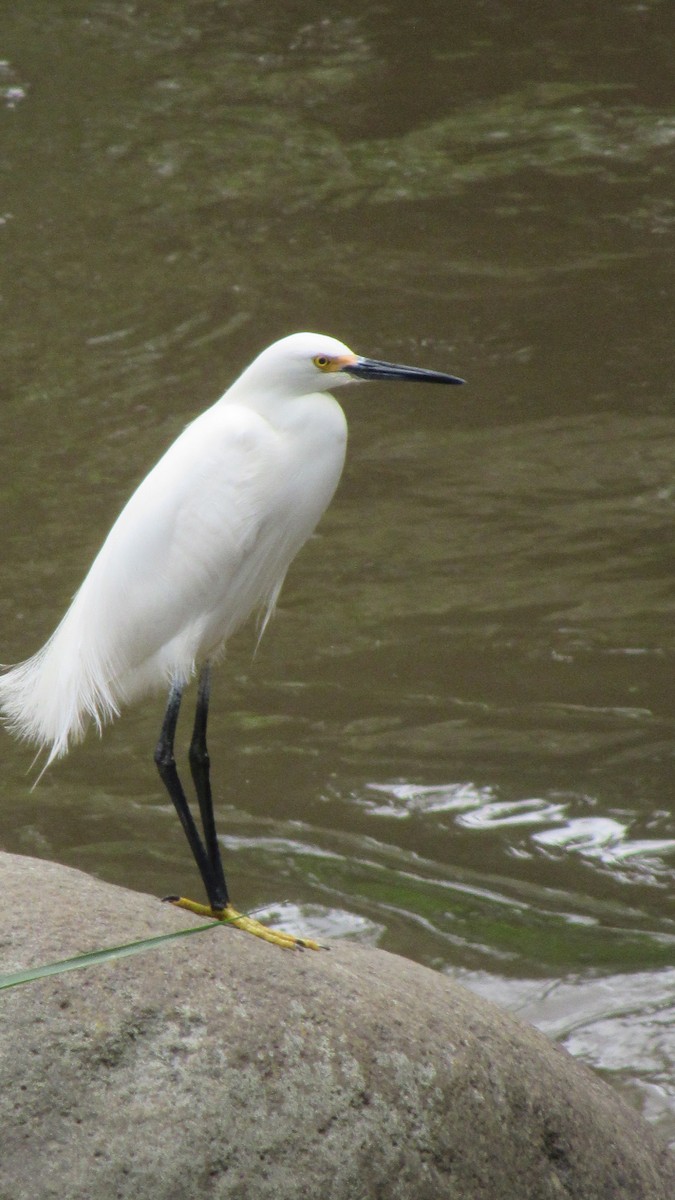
(205, 540)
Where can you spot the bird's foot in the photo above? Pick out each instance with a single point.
(230, 916)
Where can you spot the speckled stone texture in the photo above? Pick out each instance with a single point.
(221, 1067)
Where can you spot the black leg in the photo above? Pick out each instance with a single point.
(206, 857)
(199, 766)
(166, 765)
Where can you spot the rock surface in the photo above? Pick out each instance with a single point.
(220, 1067)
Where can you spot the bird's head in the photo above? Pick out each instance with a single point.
(313, 362)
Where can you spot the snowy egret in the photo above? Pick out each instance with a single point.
(206, 539)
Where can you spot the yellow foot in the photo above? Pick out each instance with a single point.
(230, 916)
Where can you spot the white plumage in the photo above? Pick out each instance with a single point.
(204, 541)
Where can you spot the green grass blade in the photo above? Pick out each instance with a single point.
(99, 956)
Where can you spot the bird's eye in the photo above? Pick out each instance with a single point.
(322, 361)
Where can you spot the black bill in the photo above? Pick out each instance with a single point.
(370, 368)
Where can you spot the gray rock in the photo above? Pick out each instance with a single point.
(220, 1067)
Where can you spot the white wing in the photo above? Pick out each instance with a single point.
(205, 539)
